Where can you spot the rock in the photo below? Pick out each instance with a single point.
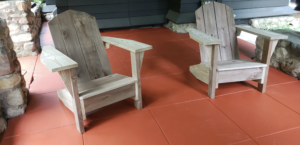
(16, 97)
(291, 67)
(180, 28)
(22, 38)
(15, 111)
(21, 5)
(4, 5)
(8, 10)
(3, 124)
(29, 46)
(13, 27)
(6, 62)
(10, 81)
(18, 15)
(23, 21)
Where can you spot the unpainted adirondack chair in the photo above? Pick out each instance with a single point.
(80, 59)
(220, 62)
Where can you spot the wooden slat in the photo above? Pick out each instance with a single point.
(240, 75)
(265, 34)
(232, 33)
(223, 32)
(90, 92)
(201, 72)
(136, 64)
(100, 47)
(203, 38)
(213, 73)
(55, 61)
(83, 28)
(269, 46)
(129, 45)
(82, 87)
(71, 42)
(201, 27)
(70, 76)
(238, 64)
(210, 22)
(108, 97)
(57, 37)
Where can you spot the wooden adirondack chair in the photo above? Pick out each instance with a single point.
(220, 63)
(80, 59)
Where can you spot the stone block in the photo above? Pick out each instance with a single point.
(29, 46)
(9, 10)
(15, 97)
(23, 21)
(10, 81)
(22, 37)
(21, 5)
(3, 124)
(14, 27)
(15, 111)
(4, 31)
(6, 62)
(4, 5)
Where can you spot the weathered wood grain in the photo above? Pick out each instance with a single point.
(210, 22)
(232, 33)
(72, 45)
(203, 38)
(265, 34)
(223, 32)
(56, 61)
(136, 64)
(127, 44)
(269, 46)
(213, 73)
(240, 75)
(83, 28)
(201, 27)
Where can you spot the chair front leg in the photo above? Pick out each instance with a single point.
(269, 47)
(70, 80)
(213, 71)
(136, 64)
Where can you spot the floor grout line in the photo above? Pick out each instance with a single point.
(278, 132)
(38, 131)
(158, 125)
(232, 121)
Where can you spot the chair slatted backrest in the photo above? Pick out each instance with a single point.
(217, 20)
(76, 34)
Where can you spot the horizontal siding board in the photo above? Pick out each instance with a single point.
(111, 15)
(50, 2)
(147, 20)
(111, 8)
(61, 3)
(94, 2)
(113, 23)
(148, 6)
(255, 4)
(263, 12)
(148, 13)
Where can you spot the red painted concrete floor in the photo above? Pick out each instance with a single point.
(176, 110)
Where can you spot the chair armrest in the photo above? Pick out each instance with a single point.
(203, 38)
(127, 44)
(56, 61)
(263, 33)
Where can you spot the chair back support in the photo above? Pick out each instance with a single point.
(217, 20)
(76, 34)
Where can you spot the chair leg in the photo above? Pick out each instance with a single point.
(136, 64)
(138, 98)
(262, 85)
(213, 73)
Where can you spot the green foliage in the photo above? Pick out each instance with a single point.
(42, 2)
